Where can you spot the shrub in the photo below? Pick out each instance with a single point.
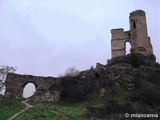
(75, 88)
(71, 72)
(149, 95)
(110, 108)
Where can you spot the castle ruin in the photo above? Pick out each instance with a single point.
(50, 88)
(137, 36)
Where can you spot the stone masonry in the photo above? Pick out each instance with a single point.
(137, 36)
(15, 84)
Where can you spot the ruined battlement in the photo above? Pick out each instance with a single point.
(117, 34)
(137, 13)
(120, 34)
(137, 36)
(117, 30)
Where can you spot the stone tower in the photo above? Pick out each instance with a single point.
(137, 36)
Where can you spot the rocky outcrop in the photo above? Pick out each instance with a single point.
(126, 86)
(78, 87)
(135, 60)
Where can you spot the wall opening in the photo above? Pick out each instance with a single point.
(128, 47)
(29, 90)
(134, 24)
(3, 90)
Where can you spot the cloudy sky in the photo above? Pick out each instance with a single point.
(45, 37)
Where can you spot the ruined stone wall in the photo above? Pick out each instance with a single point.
(119, 38)
(137, 36)
(15, 84)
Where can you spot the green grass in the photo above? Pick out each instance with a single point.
(42, 111)
(39, 113)
(73, 111)
(8, 107)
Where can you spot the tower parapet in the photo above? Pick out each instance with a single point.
(137, 13)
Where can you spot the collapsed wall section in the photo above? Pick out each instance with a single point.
(15, 84)
(119, 38)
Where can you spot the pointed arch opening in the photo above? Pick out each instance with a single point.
(127, 47)
(29, 90)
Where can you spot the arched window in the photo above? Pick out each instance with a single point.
(29, 90)
(128, 47)
(134, 24)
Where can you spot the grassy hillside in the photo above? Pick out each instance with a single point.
(63, 111)
(8, 107)
(44, 110)
(125, 85)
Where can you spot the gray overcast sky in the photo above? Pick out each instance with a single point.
(45, 37)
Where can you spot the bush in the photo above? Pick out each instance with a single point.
(149, 95)
(71, 72)
(75, 88)
(154, 77)
(110, 108)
